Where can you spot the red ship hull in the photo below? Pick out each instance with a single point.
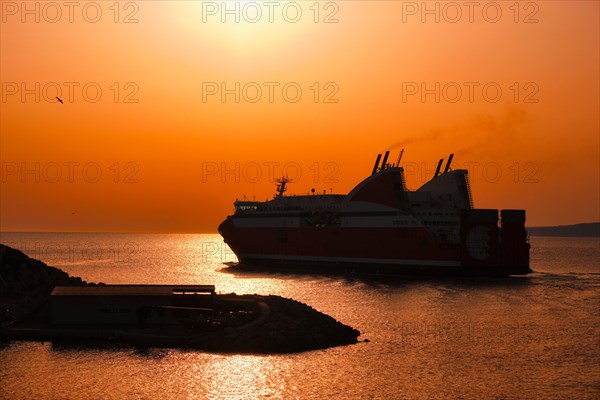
(366, 250)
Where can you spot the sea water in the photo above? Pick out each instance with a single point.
(536, 336)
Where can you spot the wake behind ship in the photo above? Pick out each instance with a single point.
(381, 226)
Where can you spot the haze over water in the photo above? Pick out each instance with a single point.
(525, 337)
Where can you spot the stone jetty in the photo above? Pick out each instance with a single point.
(269, 324)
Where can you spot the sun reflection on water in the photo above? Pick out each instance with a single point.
(242, 376)
(220, 376)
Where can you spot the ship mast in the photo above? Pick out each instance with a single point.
(281, 182)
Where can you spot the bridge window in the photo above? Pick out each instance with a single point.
(246, 207)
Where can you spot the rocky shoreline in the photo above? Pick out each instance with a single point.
(26, 283)
(282, 326)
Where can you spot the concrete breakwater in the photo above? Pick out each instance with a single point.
(233, 323)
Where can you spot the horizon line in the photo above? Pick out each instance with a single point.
(216, 232)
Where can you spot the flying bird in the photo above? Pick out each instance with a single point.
(59, 100)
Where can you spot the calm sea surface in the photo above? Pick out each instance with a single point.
(529, 337)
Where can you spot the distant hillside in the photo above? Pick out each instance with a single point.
(583, 230)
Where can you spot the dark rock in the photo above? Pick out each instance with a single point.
(28, 282)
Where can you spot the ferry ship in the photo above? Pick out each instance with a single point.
(381, 227)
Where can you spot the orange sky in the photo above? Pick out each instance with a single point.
(161, 157)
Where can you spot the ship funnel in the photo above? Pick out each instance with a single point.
(376, 164)
(399, 158)
(437, 170)
(385, 157)
(448, 163)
